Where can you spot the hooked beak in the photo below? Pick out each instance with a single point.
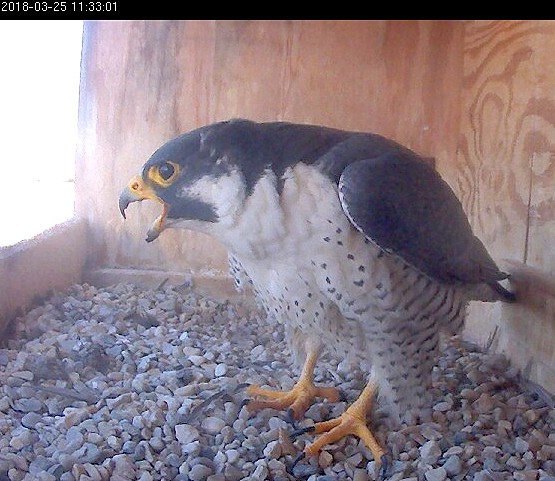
(137, 191)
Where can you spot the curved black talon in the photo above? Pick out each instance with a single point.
(385, 466)
(342, 396)
(298, 458)
(291, 418)
(298, 432)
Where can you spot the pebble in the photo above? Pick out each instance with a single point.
(5, 402)
(199, 472)
(123, 465)
(31, 419)
(453, 450)
(437, 474)
(484, 404)
(453, 465)
(260, 473)
(325, 459)
(186, 434)
(272, 450)
(232, 473)
(27, 405)
(212, 424)
(232, 455)
(430, 452)
(442, 406)
(521, 445)
(149, 385)
(20, 438)
(216, 477)
(304, 470)
(197, 360)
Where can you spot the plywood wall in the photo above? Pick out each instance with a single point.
(505, 174)
(145, 82)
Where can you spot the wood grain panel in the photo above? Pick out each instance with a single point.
(400, 79)
(505, 174)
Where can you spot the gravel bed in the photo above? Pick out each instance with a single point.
(123, 383)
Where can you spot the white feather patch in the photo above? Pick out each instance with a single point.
(260, 223)
(225, 194)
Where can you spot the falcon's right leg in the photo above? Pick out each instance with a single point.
(300, 397)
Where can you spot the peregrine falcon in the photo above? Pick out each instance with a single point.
(352, 241)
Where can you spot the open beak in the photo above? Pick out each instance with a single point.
(136, 191)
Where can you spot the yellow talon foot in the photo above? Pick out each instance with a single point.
(351, 422)
(298, 399)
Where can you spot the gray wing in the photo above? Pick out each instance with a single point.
(402, 204)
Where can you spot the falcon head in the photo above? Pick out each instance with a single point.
(194, 178)
(204, 178)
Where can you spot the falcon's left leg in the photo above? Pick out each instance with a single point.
(300, 397)
(351, 422)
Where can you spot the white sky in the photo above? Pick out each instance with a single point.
(39, 89)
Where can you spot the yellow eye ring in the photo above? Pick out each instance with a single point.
(164, 174)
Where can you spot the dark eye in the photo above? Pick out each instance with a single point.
(166, 170)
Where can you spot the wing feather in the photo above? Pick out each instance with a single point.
(403, 205)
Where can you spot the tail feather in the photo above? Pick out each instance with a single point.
(533, 287)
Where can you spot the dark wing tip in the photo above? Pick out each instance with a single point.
(505, 294)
